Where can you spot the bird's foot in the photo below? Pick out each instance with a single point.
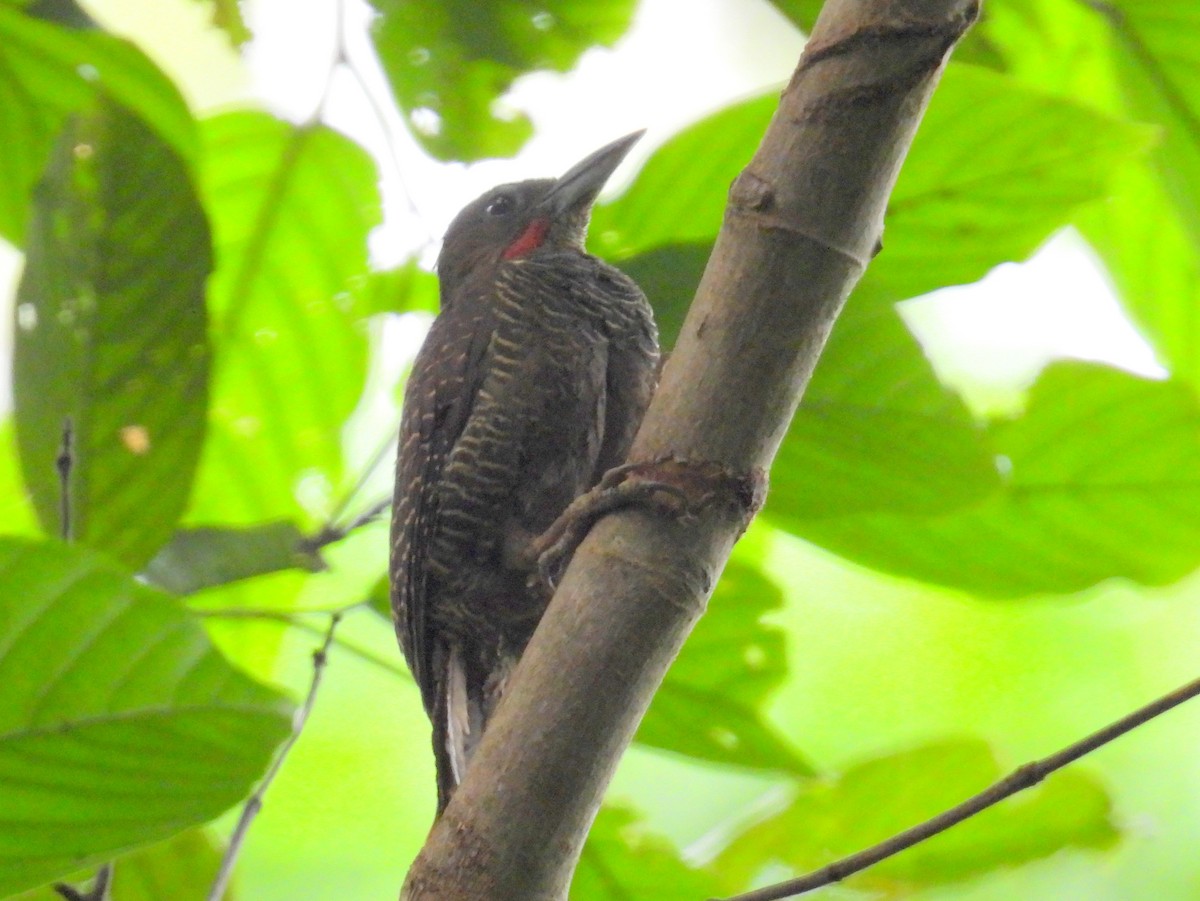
(548, 552)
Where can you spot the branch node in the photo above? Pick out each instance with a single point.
(752, 191)
(64, 462)
(98, 892)
(776, 225)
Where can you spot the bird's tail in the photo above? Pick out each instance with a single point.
(469, 692)
(458, 720)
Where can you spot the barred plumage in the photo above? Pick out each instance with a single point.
(529, 387)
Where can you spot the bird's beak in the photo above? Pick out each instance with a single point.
(578, 188)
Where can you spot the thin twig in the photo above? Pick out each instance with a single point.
(64, 463)
(318, 113)
(389, 138)
(331, 533)
(1020, 779)
(380, 112)
(255, 802)
(294, 620)
(99, 890)
(388, 445)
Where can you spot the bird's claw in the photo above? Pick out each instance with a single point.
(612, 493)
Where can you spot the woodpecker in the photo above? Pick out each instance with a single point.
(530, 386)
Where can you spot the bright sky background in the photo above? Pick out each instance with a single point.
(986, 339)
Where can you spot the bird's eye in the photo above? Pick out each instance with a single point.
(500, 206)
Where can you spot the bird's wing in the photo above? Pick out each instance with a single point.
(632, 373)
(438, 399)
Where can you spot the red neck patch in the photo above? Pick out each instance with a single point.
(529, 241)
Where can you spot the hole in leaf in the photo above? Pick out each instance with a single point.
(27, 317)
(426, 121)
(723, 737)
(136, 439)
(755, 657)
(1004, 465)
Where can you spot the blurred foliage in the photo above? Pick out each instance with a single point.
(709, 705)
(878, 798)
(198, 299)
(195, 559)
(227, 15)
(450, 61)
(51, 71)
(181, 868)
(1099, 457)
(623, 860)
(121, 724)
(291, 208)
(112, 335)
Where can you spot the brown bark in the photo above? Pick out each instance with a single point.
(802, 221)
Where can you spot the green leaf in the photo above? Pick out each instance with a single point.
(1103, 483)
(405, 289)
(829, 819)
(1127, 62)
(679, 195)
(1155, 52)
(876, 429)
(1059, 47)
(621, 861)
(112, 334)
(16, 511)
(195, 559)
(1155, 265)
(291, 210)
(121, 724)
(801, 13)
(709, 705)
(380, 599)
(450, 61)
(1130, 57)
(47, 72)
(994, 170)
(973, 48)
(669, 276)
(181, 869)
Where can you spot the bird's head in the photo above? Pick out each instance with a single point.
(519, 219)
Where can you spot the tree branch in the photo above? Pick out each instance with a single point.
(1018, 780)
(802, 221)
